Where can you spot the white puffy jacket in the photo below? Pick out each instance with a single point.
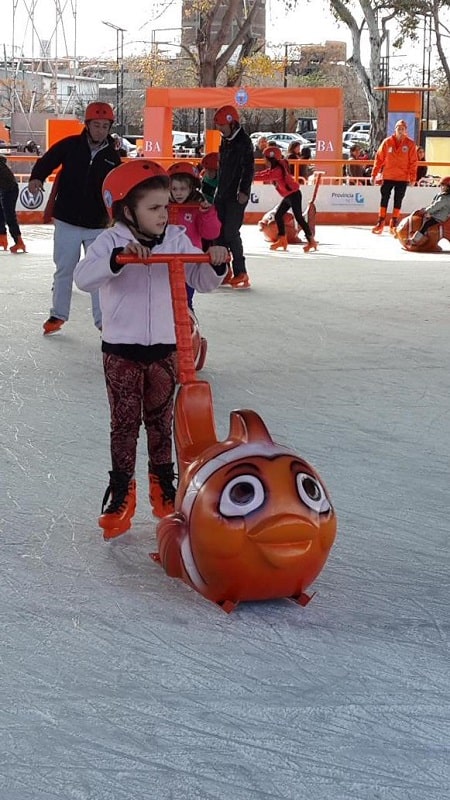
(136, 302)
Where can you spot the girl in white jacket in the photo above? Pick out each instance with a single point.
(138, 335)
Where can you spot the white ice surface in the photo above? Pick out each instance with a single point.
(118, 683)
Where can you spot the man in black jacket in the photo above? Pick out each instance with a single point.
(79, 212)
(236, 168)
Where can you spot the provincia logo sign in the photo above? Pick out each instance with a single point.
(347, 198)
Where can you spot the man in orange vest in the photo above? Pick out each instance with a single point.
(396, 161)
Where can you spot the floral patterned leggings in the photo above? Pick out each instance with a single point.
(140, 392)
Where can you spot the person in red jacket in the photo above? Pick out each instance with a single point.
(396, 162)
(289, 188)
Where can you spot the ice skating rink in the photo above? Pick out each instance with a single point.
(118, 683)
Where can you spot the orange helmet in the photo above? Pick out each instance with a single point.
(122, 179)
(210, 161)
(445, 182)
(226, 114)
(98, 111)
(183, 168)
(273, 152)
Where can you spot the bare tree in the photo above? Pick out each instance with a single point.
(376, 17)
(224, 37)
(414, 16)
(373, 20)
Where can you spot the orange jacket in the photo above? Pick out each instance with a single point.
(397, 160)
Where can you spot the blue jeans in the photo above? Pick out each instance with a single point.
(67, 243)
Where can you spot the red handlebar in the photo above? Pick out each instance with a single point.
(185, 258)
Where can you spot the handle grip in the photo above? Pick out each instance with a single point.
(185, 258)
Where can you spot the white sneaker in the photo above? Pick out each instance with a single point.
(418, 238)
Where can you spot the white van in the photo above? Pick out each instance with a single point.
(179, 137)
(357, 127)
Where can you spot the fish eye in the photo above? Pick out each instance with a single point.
(241, 496)
(312, 493)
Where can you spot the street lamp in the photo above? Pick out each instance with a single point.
(285, 75)
(426, 67)
(119, 72)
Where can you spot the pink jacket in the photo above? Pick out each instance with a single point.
(285, 184)
(199, 224)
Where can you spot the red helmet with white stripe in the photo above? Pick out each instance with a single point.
(225, 115)
(122, 179)
(273, 152)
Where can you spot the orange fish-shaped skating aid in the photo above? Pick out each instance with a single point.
(252, 521)
(408, 226)
(199, 343)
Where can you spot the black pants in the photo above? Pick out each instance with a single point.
(399, 188)
(293, 201)
(231, 215)
(428, 224)
(8, 200)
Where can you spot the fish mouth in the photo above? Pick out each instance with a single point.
(280, 553)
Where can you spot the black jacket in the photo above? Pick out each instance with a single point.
(79, 198)
(236, 166)
(8, 180)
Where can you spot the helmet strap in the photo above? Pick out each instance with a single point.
(153, 241)
(143, 237)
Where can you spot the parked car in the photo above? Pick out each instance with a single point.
(356, 137)
(182, 139)
(133, 138)
(283, 140)
(128, 146)
(186, 145)
(306, 125)
(362, 128)
(311, 136)
(359, 126)
(257, 135)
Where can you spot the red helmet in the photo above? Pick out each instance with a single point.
(225, 115)
(210, 161)
(98, 111)
(183, 168)
(127, 176)
(445, 182)
(273, 152)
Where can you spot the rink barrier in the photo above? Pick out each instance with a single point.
(340, 200)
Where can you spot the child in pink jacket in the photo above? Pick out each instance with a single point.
(188, 207)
